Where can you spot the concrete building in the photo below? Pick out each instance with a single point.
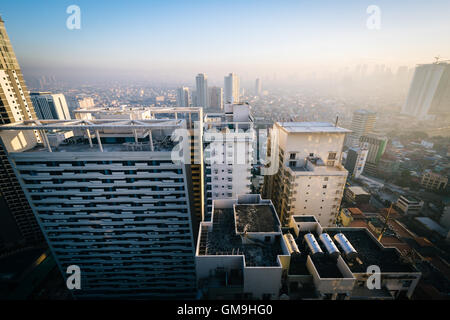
(355, 162)
(241, 253)
(111, 200)
(201, 85)
(229, 142)
(15, 106)
(310, 179)
(194, 122)
(50, 106)
(376, 146)
(231, 91)
(429, 92)
(86, 103)
(433, 181)
(363, 122)
(183, 97)
(409, 205)
(244, 254)
(356, 195)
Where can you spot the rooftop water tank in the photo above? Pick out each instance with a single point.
(349, 251)
(313, 244)
(329, 245)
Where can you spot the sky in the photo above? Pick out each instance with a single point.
(178, 39)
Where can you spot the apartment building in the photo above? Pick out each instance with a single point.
(310, 179)
(110, 200)
(229, 146)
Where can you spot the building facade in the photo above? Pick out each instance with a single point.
(363, 122)
(429, 92)
(231, 91)
(15, 106)
(111, 200)
(50, 106)
(310, 179)
(183, 97)
(229, 140)
(201, 83)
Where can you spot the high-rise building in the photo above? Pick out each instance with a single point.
(310, 179)
(229, 140)
(183, 97)
(258, 87)
(201, 82)
(216, 98)
(376, 146)
(50, 106)
(355, 162)
(231, 91)
(429, 92)
(15, 106)
(194, 122)
(111, 200)
(363, 122)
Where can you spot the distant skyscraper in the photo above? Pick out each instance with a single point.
(183, 97)
(216, 98)
(231, 91)
(15, 106)
(50, 106)
(201, 82)
(258, 87)
(429, 92)
(363, 122)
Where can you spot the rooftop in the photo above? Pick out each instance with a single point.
(313, 127)
(256, 218)
(358, 190)
(222, 239)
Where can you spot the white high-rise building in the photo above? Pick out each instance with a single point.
(310, 179)
(229, 140)
(429, 92)
(110, 200)
(50, 106)
(363, 122)
(183, 97)
(231, 90)
(201, 82)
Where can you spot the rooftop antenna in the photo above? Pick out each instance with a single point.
(437, 59)
(337, 119)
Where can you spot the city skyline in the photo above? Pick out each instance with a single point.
(145, 42)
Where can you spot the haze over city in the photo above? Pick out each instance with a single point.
(170, 41)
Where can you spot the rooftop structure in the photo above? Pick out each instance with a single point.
(244, 234)
(344, 275)
(313, 127)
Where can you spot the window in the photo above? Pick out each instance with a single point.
(292, 163)
(311, 154)
(332, 156)
(292, 156)
(324, 186)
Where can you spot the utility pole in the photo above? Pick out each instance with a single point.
(385, 223)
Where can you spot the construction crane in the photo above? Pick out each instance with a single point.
(385, 223)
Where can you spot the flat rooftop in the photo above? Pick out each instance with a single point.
(370, 253)
(313, 127)
(256, 218)
(223, 240)
(305, 219)
(358, 190)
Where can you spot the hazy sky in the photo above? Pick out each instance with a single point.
(181, 38)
